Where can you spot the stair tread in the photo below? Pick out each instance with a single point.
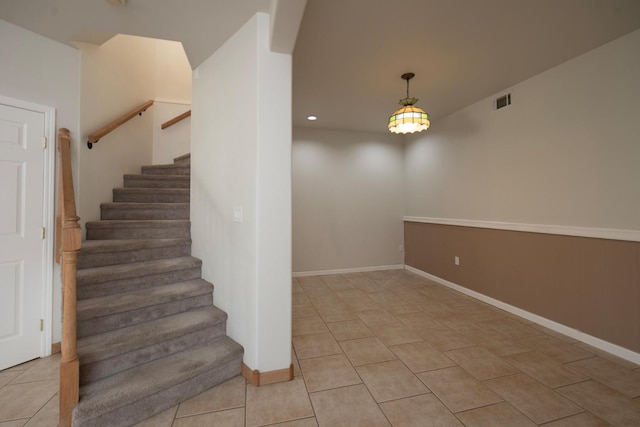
(116, 245)
(141, 223)
(136, 269)
(158, 176)
(143, 205)
(120, 341)
(118, 303)
(118, 390)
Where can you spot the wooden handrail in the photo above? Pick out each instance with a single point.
(95, 136)
(175, 120)
(69, 238)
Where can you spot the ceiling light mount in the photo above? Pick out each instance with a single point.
(409, 118)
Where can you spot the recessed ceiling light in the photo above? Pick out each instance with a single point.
(312, 118)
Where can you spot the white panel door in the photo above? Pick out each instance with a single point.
(21, 244)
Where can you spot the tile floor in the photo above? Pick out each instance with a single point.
(390, 348)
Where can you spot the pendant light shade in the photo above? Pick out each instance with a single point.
(409, 118)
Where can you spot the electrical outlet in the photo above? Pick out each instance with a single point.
(456, 260)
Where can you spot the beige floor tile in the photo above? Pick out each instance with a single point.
(554, 334)
(620, 361)
(544, 369)
(322, 373)
(327, 300)
(511, 328)
(230, 418)
(481, 363)
(46, 368)
(303, 310)
(608, 404)
(349, 330)
(462, 325)
(425, 410)
(308, 325)
(445, 339)
(15, 423)
(421, 356)
(350, 406)
(22, 367)
(336, 313)
(228, 395)
(377, 317)
(300, 298)
(498, 344)
(276, 403)
(48, 415)
(337, 282)
(585, 419)
(306, 422)
(394, 334)
(386, 298)
(366, 350)
(609, 373)
(362, 305)
(7, 377)
(457, 389)
(315, 345)
(163, 419)
(419, 320)
(498, 415)
(352, 294)
(533, 399)
(390, 380)
(25, 399)
(401, 308)
(295, 363)
(555, 348)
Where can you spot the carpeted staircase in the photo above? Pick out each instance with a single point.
(149, 335)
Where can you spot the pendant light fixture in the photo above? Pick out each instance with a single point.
(409, 118)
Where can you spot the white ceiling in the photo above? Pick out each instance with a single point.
(350, 53)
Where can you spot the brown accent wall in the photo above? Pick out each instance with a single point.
(592, 285)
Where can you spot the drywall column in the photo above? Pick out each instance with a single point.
(241, 190)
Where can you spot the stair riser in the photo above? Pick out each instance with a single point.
(150, 181)
(166, 170)
(150, 405)
(103, 324)
(104, 368)
(88, 290)
(179, 231)
(144, 214)
(185, 159)
(127, 257)
(151, 196)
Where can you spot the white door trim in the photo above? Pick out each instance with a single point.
(48, 215)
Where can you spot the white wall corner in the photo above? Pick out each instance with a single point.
(286, 17)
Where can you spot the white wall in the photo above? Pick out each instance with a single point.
(172, 97)
(241, 157)
(115, 78)
(564, 153)
(347, 200)
(39, 70)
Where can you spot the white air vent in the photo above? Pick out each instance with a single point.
(503, 101)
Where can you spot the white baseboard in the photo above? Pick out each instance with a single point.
(614, 349)
(348, 270)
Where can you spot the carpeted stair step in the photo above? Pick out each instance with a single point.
(137, 394)
(143, 229)
(115, 351)
(151, 195)
(144, 211)
(98, 253)
(156, 181)
(185, 158)
(103, 314)
(114, 279)
(171, 169)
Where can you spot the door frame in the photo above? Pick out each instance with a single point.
(48, 216)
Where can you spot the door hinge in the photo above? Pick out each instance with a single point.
(42, 233)
(44, 142)
(41, 325)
